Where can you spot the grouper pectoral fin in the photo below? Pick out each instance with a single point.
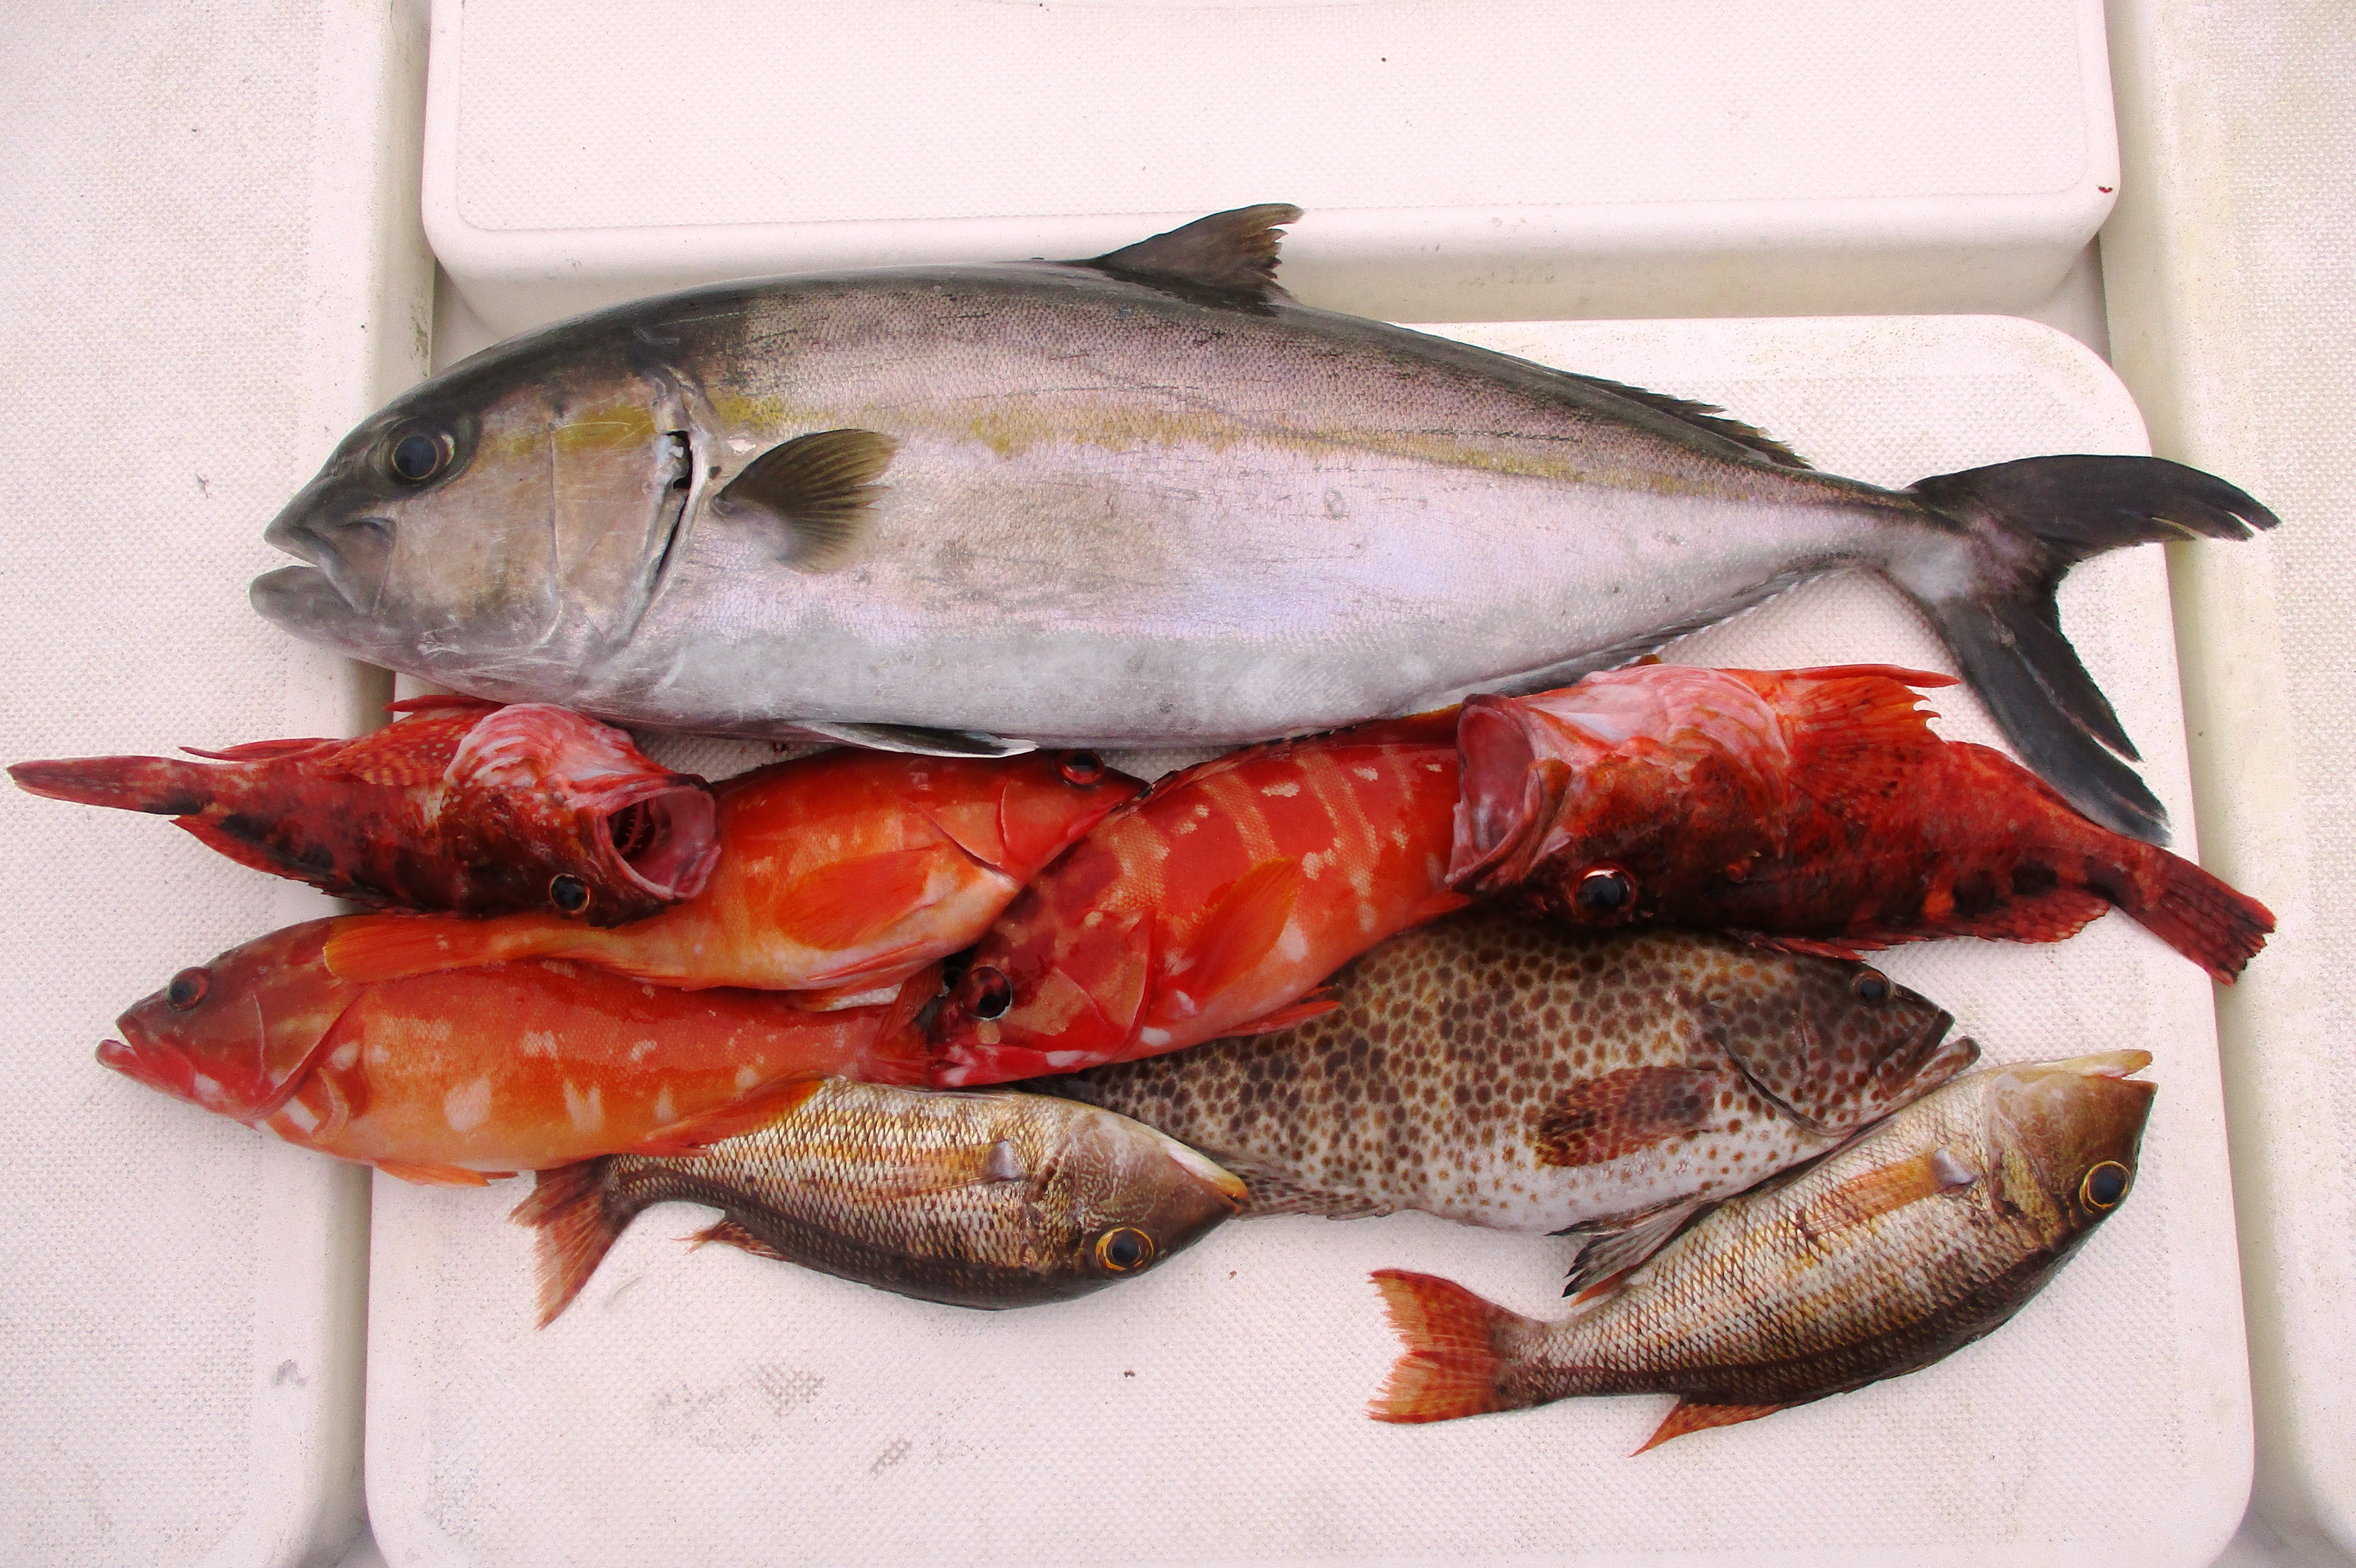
(1231, 254)
(916, 738)
(814, 491)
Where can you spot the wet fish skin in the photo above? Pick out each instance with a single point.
(1492, 1070)
(458, 805)
(973, 1199)
(1926, 1233)
(843, 873)
(1147, 500)
(453, 1077)
(1813, 810)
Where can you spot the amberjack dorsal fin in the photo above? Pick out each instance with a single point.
(816, 491)
(1231, 254)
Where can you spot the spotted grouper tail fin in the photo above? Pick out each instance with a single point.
(2024, 525)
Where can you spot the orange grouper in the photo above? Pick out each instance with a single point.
(458, 1076)
(843, 872)
(1213, 906)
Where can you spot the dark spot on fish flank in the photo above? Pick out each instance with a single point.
(2030, 877)
(1975, 893)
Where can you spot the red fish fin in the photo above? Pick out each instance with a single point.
(844, 904)
(254, 856)
(370, 947)
(1883, 1191)
(411, 752)
(441, 701)
(1450, 1365)
(1858, 733)
(164, 785)
(263, 750)
(437, 1175)
(1241, 929)
(2201, 916)
(573, 1232)
(758, 1109)
(1688, 1418)
(1852, 945)
(1315, 1005)
(729, 1233)
(1597, 1120)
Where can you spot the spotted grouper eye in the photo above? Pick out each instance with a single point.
(1604, 891)
(187, 988)
(991, 993)
(1125, 1249)
(417, 452)
(1083, 768)
(2105, 1185)
(1871, 987)
(569, 893)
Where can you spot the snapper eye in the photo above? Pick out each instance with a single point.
(569, 893)
(1083, 768)
(187, 988)
(1871, 987)
(2104, 1186)
(1125, 1249)
(417, 452)
(989, 993)
(1604, 891)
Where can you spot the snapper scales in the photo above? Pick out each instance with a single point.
(1495, 1071)
(1142, 500)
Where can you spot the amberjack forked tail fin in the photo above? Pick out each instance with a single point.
(2023, 524)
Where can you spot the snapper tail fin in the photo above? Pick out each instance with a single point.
(165, 785)
(2023, 524)
(370, 947)
(1452, 1363)
(2198, 915)
(573, 1232)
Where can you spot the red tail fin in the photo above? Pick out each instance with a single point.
(1451, 1366)
(165, 785)
(567, 1207)
(2198, 915)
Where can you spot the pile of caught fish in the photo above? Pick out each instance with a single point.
(1491, 915)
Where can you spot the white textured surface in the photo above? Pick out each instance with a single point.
(206, 280)
(2231, 271)
(715, 1409)
(1471, 159)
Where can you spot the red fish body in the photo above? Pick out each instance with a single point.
(515, 1067)
(846, 870)
(1811, 810)
(460, 805)
(1211, 907)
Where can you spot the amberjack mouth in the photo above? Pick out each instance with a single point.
(303, 600)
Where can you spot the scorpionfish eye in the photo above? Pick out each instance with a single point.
(569, 893)
(1604, 891)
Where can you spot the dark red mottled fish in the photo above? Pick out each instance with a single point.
(1811, 810)
(460, 805)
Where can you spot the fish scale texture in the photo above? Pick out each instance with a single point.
(706, 1406)
(2234, 260)
(184, 308)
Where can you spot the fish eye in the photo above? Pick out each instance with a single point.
(187, 988)
(417, 452)
(994, 993)
(1871, 987)
(1125, 1249)
(1604, 891)
(569, 893)
(1083, 768)
(2104, 1186)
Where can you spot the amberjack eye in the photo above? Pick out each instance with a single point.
(417, 452)
(1125, 1249)
(1083, 768)
(569, 893)
(2104, 1186)
(1603, 891)
(991, 993)
(187, 988)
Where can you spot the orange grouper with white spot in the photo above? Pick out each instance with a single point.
(458, 1076)
(840, 874)
(1213, 906)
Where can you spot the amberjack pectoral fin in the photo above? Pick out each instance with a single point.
(438, 1175)
(817, 491)
(916, 740)
(1688, 1418)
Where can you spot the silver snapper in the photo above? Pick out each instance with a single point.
(1147, 499)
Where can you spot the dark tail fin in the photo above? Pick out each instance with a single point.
(1451, 1366)
(2199, 916)
(567, 1208)
(2028, 523)
(160, 784)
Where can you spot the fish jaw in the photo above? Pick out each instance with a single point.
(1127, 1176)
(236, 1036)
(2065, 1118)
